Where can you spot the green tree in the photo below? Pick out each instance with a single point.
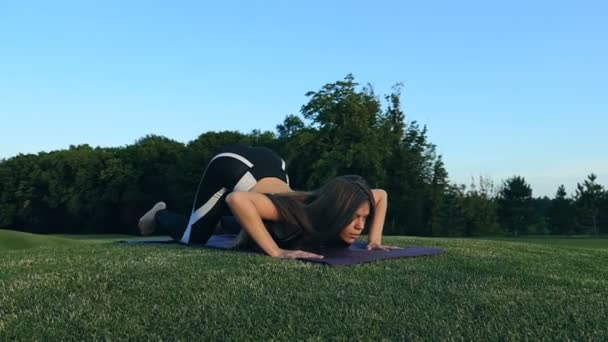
(344, 130)
(587, 198)
(291, 126)
(514, 205)
(561, 213)
(348, 138)
(480, 208)
(540, 215)
(159, 166)
(415, 174)
(298, 145)
(414, 177)
(437, 192)
(451, 216)
(602, 219)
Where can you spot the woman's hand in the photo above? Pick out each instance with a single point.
(378, 246)
(293, 254)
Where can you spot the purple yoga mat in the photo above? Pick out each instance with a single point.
(355, 254)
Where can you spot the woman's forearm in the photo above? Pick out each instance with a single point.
(375, 231)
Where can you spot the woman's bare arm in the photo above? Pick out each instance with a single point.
(375, 231)
(251, 209)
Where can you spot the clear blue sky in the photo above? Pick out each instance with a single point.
(505, 88)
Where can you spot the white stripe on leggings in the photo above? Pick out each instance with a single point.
(233, 155)
(245, 183)
(200, 212)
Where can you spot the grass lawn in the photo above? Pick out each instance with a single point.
(57, 288)
(12, 240)
(578, 241)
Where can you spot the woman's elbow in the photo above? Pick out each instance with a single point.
(380, 195)
(234, 199)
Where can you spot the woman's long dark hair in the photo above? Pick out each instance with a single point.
(323, 213)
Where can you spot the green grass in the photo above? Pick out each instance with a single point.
(12, 240)
(578, 241)
(479, 290)
(97, 238)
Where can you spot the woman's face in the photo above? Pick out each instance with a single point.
(353, 230)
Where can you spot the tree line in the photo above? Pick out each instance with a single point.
(344, 128)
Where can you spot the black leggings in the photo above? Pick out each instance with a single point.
(236, 168)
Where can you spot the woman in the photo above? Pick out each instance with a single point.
(252, 183)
